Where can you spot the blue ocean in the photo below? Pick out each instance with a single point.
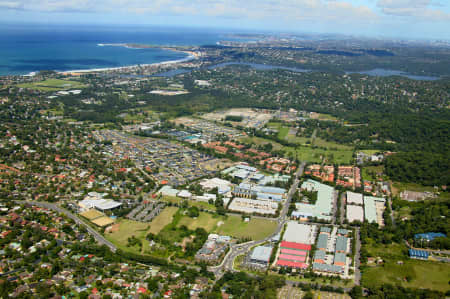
(26, 48)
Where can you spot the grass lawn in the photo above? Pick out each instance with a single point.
(282, 130)
(421, 274)
(338, 153)
(331, 145)
(128, 228)
(261, 141)
(298, 140)
(369, 172)
(370, 152)
(204, 220)
(323, 116)
(309, 154)
(162, 219)
(53, 85)
(256, 229)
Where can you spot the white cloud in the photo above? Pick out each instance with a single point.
(418, 9)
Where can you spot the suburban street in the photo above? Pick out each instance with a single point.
(357, 257)
(239, 249)
(100, 239)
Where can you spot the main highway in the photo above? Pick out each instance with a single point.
(239, 249)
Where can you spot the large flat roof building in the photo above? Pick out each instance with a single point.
(323, 207)
(354, 198)
(370, 208)
(355, 213)
(299, 233)
(261, 255)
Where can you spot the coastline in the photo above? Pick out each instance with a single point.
(191, 56)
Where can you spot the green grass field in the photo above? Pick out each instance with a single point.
(413, 273)
(330, 117)
(256, 229)
(204, 220)
(369, 172)
(332, 145)
(309, 154)
(128, 228)
(162, 220)
(53, 85)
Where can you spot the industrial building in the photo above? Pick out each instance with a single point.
(259, 192)
(373, 209)
(99, 204)
(341, 244)
(261, 255)
(251, 206)
(299, 233)
(296, 245)
(354, 198)
(355, 213)
(223, 186)
(322, 241)
(323, 207)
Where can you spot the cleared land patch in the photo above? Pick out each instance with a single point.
(204, 220)
(255, 229)
(164, 218)
(53, 85)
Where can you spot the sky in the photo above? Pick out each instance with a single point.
(407, 19)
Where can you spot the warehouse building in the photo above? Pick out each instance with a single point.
(319, 256)
(340, 259)
(327, 268)
(299, 233)
(322, 241)
(261, 255)
(354, 198)
(323, 207)
(373, 209)
(355, 213)
(341, 244)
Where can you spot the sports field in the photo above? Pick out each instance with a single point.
(256, 229)
(91, 214)
(103, 221)
(53, 85)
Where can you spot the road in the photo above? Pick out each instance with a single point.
(342, 210)
(239, 249)
(97, 236)
(357, 257)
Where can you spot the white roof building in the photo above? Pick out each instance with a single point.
(184, 194)
(168, 191)
(354, 198)
(299, 233)
(355, 213)
(223, 186)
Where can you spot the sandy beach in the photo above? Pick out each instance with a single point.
(192, 56)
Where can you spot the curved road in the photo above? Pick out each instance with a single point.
(238, 249)
(100, 239)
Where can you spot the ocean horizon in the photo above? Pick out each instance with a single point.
(27, 49)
